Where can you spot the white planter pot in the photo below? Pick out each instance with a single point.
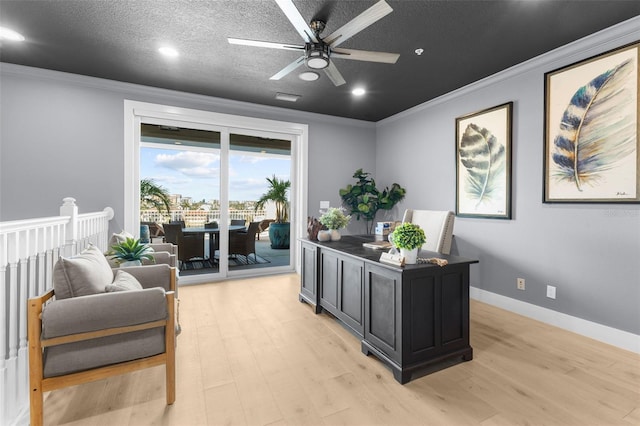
(335, 235)
(324, 235)
(410, 256)
(131, 263)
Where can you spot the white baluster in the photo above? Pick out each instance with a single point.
(70, 209)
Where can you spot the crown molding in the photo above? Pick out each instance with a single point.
(209, 103)
(615, 36)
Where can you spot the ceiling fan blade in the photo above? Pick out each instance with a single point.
(365, 55)
(359, 23)
(297, 20)
(286, 70)
(270, 45)
(334, 75)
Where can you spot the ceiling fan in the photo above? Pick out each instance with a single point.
(319, 51)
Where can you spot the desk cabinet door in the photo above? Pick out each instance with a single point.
(351, 293)
(329, 281)
(309, 277)
(341, 289)
(383, 310)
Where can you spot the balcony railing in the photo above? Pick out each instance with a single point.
(28, 251)
(197, 218)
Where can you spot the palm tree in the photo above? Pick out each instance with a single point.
(153, 195)
(277, 193)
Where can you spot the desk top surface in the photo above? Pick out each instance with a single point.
(352, 245)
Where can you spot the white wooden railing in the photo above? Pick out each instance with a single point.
(28, 251)
(199, 217)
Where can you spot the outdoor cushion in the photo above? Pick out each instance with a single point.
(122, 282)
(81, 275)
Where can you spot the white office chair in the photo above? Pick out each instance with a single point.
(437, 226)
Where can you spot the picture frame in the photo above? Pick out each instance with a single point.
(483, 163)
(591, 124)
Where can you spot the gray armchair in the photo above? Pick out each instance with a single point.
(88, 327)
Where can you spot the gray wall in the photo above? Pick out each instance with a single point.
(590, 252)
(62, 135)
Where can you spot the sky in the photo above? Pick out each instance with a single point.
(196, 174)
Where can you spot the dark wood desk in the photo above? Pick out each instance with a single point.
(413, 318)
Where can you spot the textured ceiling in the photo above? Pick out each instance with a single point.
(463, 41)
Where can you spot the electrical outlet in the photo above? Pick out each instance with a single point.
(551, 292)
(520, 283)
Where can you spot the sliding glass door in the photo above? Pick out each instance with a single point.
(213, 179)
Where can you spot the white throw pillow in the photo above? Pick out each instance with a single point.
(123, 281)
(81, 275)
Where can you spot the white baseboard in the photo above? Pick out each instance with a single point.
(612, 336)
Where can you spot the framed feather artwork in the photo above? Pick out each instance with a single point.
(591, 150)
(483, 163)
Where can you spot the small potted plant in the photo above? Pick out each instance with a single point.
(408, 237)
(334, 219)
(130, 252)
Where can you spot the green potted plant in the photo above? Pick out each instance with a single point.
(363, 199)
(408, 237)
(130, 252)
(280, 229)
(334, 219)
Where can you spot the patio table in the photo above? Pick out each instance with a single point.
(213, 234)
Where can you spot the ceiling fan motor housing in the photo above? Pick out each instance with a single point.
(317, 55)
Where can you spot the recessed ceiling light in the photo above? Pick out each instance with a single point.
(168, 51)
(358, 91)
(287, 97)
(419, 51)
(309, 76)
(9, 34)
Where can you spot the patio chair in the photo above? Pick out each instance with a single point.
(238, 222)
(264, 225)
(155, 229)
(216, 243)
(244, 242)
(190, 246)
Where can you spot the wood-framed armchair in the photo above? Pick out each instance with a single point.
(84, 338)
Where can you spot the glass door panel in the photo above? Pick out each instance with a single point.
(182, 166)
(259, 168)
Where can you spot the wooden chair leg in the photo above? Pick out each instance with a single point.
(36, 407)
(170, 341)
(34, 325)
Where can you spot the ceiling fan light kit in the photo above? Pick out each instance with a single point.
(318, 51)
(309, 76)
(317, 55)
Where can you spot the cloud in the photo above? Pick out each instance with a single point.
(191, 163)
(251, 159)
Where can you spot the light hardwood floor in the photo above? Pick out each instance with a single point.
(251, 354)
